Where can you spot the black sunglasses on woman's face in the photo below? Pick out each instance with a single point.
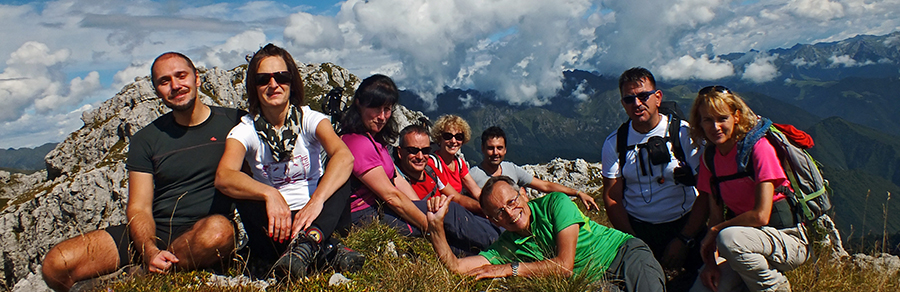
(282, 77)
(448, 136)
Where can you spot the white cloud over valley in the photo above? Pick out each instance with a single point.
(62, 56)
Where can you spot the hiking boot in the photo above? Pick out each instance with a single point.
(301, 254)
(346, 259)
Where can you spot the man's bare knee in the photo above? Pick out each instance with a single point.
(78, 258)
(56, 270)
(215, 232)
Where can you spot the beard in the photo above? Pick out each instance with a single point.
(187, 106)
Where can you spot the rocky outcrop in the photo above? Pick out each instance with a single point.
(577, 174)
(85, 185)
(13, 184)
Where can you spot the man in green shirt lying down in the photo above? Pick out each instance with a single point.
(546, 236)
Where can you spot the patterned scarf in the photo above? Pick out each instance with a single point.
(280, 141)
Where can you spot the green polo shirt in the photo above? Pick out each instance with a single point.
(597, 244)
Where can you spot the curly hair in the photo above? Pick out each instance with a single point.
(271, 50)
(448, 122)
(375, 91)
(721, 102)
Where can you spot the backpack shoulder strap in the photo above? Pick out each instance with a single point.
(675, 138)
(621, 145)
(709, 156)
(430, 173)
(461, 163)
(436, 161)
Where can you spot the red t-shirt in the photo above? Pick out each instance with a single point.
(425, 186)
(453, 178)
(739, 194)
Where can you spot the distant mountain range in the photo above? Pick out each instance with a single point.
(24, 159)
(846, 94)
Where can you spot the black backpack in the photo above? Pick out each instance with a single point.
(810, 198)
(683, 173)
(333, 105)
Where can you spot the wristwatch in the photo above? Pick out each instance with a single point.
(688, 241)
(515, 268)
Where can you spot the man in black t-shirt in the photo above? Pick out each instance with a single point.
(176, 217)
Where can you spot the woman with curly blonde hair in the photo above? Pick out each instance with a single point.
(750, 244)
(450, 132)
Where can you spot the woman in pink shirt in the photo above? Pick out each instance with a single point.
(750, 245)
(367, 128)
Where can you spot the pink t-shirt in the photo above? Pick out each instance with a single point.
(454, 178)
(367, 154)
(739, 194)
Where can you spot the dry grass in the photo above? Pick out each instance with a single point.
(841, 275)
(397, 263)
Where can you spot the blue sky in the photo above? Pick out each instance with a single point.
(60, 58)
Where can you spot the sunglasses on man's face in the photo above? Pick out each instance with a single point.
(643, 96)
(714, 88)
(448, 136)
(415, 150)
(283, 77)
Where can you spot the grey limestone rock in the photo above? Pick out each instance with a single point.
(577, 174)
(85, 185)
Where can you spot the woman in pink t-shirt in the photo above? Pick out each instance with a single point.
(367, 127)
(741, 251)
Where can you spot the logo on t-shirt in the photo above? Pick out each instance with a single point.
(212, 139)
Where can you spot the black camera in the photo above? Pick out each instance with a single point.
(684, 175)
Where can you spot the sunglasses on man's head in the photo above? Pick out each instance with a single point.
(643, 96)
(415, 150)
(283, 77)
(714, 88)
(448, 136)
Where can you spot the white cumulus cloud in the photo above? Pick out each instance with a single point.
(33, 80)
(843, 60)
(816, 9)
(702, 68)
(761, 70)
(233, 52)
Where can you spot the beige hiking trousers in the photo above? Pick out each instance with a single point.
(754, 259)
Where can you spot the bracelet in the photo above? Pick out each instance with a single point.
(688, 241)
(515, 268)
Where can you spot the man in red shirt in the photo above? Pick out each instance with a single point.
(413, 164)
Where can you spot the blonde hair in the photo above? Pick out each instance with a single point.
(447, 122)
(721, 102)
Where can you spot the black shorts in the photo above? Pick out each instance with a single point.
(129, 254)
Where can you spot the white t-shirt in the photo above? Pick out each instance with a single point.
(645, 198)
(297, 178)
